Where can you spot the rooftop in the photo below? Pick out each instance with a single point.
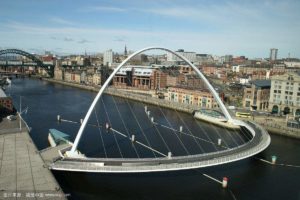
(262, 83)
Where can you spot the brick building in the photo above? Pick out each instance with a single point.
(201, 98)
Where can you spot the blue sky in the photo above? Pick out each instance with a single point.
(242, 27)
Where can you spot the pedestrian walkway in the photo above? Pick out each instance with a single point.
(23, 173)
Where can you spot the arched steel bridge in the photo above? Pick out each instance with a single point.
(74, 161)
(37, 61)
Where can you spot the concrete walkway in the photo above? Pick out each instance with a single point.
(23, 174)
(276, 125)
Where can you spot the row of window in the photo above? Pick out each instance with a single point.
(286, 92)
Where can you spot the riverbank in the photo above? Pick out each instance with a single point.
(144, 98)
(274, 126)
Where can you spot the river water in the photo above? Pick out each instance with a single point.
(248, 179)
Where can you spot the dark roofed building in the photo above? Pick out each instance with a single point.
(256, 95)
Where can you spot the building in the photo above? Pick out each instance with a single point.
(285, 94)
(191, 56)
(140, 77)
(244, 79)
(204, 59)
(6, 105)
(257, 94)
(108, 57)
(228, 58)
(273, 54)
(201, 98)
(292, 64)
(97, 79)
(58, 71)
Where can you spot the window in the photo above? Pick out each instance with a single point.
(275, 91)
(279, 91)
(291, 93)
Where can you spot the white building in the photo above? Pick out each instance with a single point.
(236, 68)
(273, 54)
(295, 64)
(245, 80)
(191, 56)
(285, 94)
(108, 57)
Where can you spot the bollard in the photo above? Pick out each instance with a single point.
(274, 158)
(180, 128)
(219, 141)
(58, 118)
(145, 108)
(133, 138)
(152, 119)
(148, 113)
(224, 182)
(81, 120)
(169, 155)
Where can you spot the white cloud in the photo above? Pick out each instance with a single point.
(60, 21)
(103, 8)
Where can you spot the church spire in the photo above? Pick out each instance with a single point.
(125, 51)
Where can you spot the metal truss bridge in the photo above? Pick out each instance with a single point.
(36, 62)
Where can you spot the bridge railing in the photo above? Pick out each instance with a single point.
(258, 144)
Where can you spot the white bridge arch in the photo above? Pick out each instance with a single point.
(73, 161)
(74, 153)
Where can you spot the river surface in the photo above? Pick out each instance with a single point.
(248, 179)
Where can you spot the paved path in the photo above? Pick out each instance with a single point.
(22, 171)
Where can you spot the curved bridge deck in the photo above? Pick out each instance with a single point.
(258, 143)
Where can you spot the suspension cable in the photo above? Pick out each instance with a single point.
(112, 132)
(148, 143)
(100, 133)
(125, 125)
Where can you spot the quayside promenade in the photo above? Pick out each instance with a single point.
(23, 174)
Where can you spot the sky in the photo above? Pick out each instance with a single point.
(248, 28)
